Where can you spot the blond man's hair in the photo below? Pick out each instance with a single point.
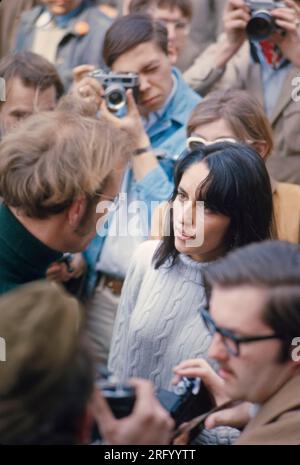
(54, 157)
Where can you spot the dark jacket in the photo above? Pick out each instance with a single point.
(78, 46)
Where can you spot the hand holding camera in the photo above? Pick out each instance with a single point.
(148, 423)
(288, 19)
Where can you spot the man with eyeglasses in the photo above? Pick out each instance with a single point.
(254, 320)
(55, 168)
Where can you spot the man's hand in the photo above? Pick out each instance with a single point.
(289, 19)
(200, 368)
(236, 417)
(235, 20)
(85, 87)
(58, 271)
(131, 122)
(149, 423)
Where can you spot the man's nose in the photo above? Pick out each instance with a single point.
(217, 349)
(144, 83)
(171, 32)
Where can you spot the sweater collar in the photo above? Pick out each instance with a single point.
(23, 245)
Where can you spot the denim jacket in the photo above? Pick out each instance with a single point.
(168, 140)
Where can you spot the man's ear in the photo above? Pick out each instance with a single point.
(76, 211)
(172, 55)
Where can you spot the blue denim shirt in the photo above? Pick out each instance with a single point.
(168, 140)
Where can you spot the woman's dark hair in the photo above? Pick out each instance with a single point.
(237, 186)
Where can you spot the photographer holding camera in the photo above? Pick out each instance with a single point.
(156, 125)
(265, 65)
(48, 396)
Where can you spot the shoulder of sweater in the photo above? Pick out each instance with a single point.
(143, 255)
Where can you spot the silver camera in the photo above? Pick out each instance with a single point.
(115, 86)
(262, 24)
(2, 90)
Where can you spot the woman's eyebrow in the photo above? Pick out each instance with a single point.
(182, 190)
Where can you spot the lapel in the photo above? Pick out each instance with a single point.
(285, 94)
(254, 82)
(287, 398)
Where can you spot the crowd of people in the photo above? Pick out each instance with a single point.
(149, 218)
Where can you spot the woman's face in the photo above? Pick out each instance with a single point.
(198, 231)
(213, 132)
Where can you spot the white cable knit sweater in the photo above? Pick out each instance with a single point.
(158, 324)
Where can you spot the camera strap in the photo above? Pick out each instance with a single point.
(186, 428)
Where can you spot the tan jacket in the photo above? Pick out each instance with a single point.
(278, 420)
(242, 73)
(286, 203)
(207, 24)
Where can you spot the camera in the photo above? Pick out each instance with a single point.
(115, 86)
(67, 258)
(262, 24)
(188, 399)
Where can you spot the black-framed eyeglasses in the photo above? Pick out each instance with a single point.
(230, 340)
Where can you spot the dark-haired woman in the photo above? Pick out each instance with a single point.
(158, 323)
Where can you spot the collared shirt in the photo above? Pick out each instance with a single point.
(155, 116)
(62, 21)
(168, 139)
(134, 222)
(23, 257)
(272, 79)
(119, 247)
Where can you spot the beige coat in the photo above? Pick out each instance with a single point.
(242, 73)
(207, 24)
(278, 420)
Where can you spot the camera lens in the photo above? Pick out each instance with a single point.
(115, 97)
(260, 26)
(121, 398)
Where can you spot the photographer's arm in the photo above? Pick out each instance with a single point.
(215, 68)
(149, 423)
(145, 166)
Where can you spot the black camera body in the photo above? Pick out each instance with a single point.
(115, 86)
(188, 399)
(262, 24)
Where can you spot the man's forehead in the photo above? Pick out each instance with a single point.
(140, 57)
(166, 12)
(238, 307)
